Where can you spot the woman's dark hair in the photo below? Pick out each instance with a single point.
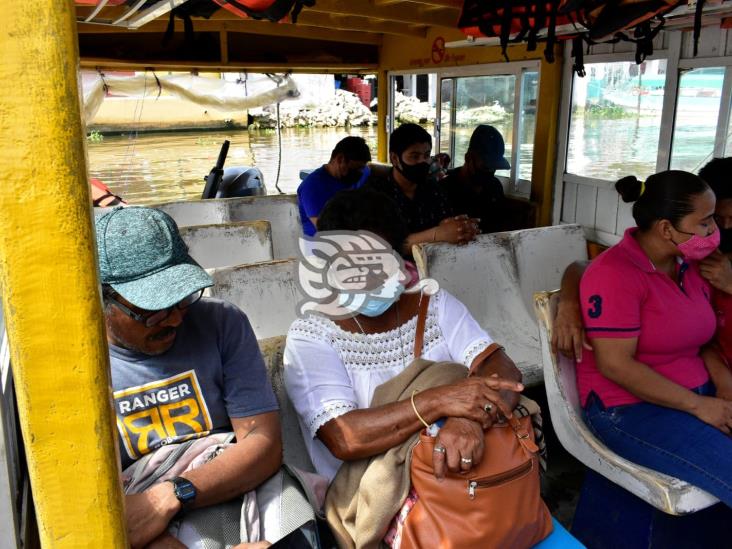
(407, 135)
(364, 210)
(665, 195)
(718, 175)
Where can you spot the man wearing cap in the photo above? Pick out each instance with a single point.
(473, 189)
(183, 368)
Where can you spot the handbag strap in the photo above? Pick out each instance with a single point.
(523, 436)
(424, 303)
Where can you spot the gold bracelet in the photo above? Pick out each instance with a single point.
(414, 407)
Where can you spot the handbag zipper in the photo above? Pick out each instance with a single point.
(498, 479)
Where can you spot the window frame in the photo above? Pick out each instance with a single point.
(673, 53)
(514, 185)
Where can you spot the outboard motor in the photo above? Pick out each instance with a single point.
(241, 181)
(232, 182)
(214, 177)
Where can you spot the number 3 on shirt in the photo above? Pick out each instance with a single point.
(596, 310)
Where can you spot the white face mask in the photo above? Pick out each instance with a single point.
(375, 303)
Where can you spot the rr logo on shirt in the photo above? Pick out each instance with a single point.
(161, 412)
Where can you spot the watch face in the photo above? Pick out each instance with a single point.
(184, 490)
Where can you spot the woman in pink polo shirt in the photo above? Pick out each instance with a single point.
(646, 390)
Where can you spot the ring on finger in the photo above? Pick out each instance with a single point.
(488, 407)
(466, 461)
(439, 449)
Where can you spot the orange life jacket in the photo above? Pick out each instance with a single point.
(102, 196)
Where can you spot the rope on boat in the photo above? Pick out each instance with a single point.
(278, 80)
(279, 150)
(244, 81)
(132, 141)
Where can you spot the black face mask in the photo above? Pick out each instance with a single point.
(725, 240)
(416, 173)
(352, 177)
(482, 175)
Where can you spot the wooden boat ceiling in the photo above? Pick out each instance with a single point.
(334, 35)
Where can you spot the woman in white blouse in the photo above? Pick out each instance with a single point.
(333, 367)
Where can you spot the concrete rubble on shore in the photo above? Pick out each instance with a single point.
(343, 109)
(411, 109)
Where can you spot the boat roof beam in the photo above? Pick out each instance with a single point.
(100, 63)
(251, 26)
(358, 24)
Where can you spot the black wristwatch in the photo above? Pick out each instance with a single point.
(184, 491)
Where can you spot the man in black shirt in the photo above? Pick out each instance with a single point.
(473, 189)
(422, 204)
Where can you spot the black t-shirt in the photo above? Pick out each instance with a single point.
(428, 207)
(485, 201)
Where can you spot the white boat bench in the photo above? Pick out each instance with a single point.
(281, 211)
(229, 244)
(496, 275)
(266, 292)
(293, 446)
(665, 493)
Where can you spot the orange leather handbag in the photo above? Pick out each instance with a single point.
(497, 504)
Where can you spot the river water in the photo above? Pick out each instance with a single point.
(161, 167)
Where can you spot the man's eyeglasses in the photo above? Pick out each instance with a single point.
(153, 318)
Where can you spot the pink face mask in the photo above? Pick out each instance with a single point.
(699, 247)
(411, 268)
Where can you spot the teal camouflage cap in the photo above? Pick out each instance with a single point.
(143, 258)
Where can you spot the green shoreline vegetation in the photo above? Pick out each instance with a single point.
(95, 137)
(605, 111)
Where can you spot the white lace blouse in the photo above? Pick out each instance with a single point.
(329, 371)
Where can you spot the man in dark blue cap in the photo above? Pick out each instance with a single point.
(183, 368)
(473, 189)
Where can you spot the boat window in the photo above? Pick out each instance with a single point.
(527, 123)
(506, 100)
(484, 100)
(728, 150)
(697, 112)
(615, 120)
(446, 85)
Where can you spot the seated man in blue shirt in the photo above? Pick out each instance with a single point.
(182, 368)
(345, 170)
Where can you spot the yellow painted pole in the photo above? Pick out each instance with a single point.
(382, 110)
(50, 285)
(545, 138)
